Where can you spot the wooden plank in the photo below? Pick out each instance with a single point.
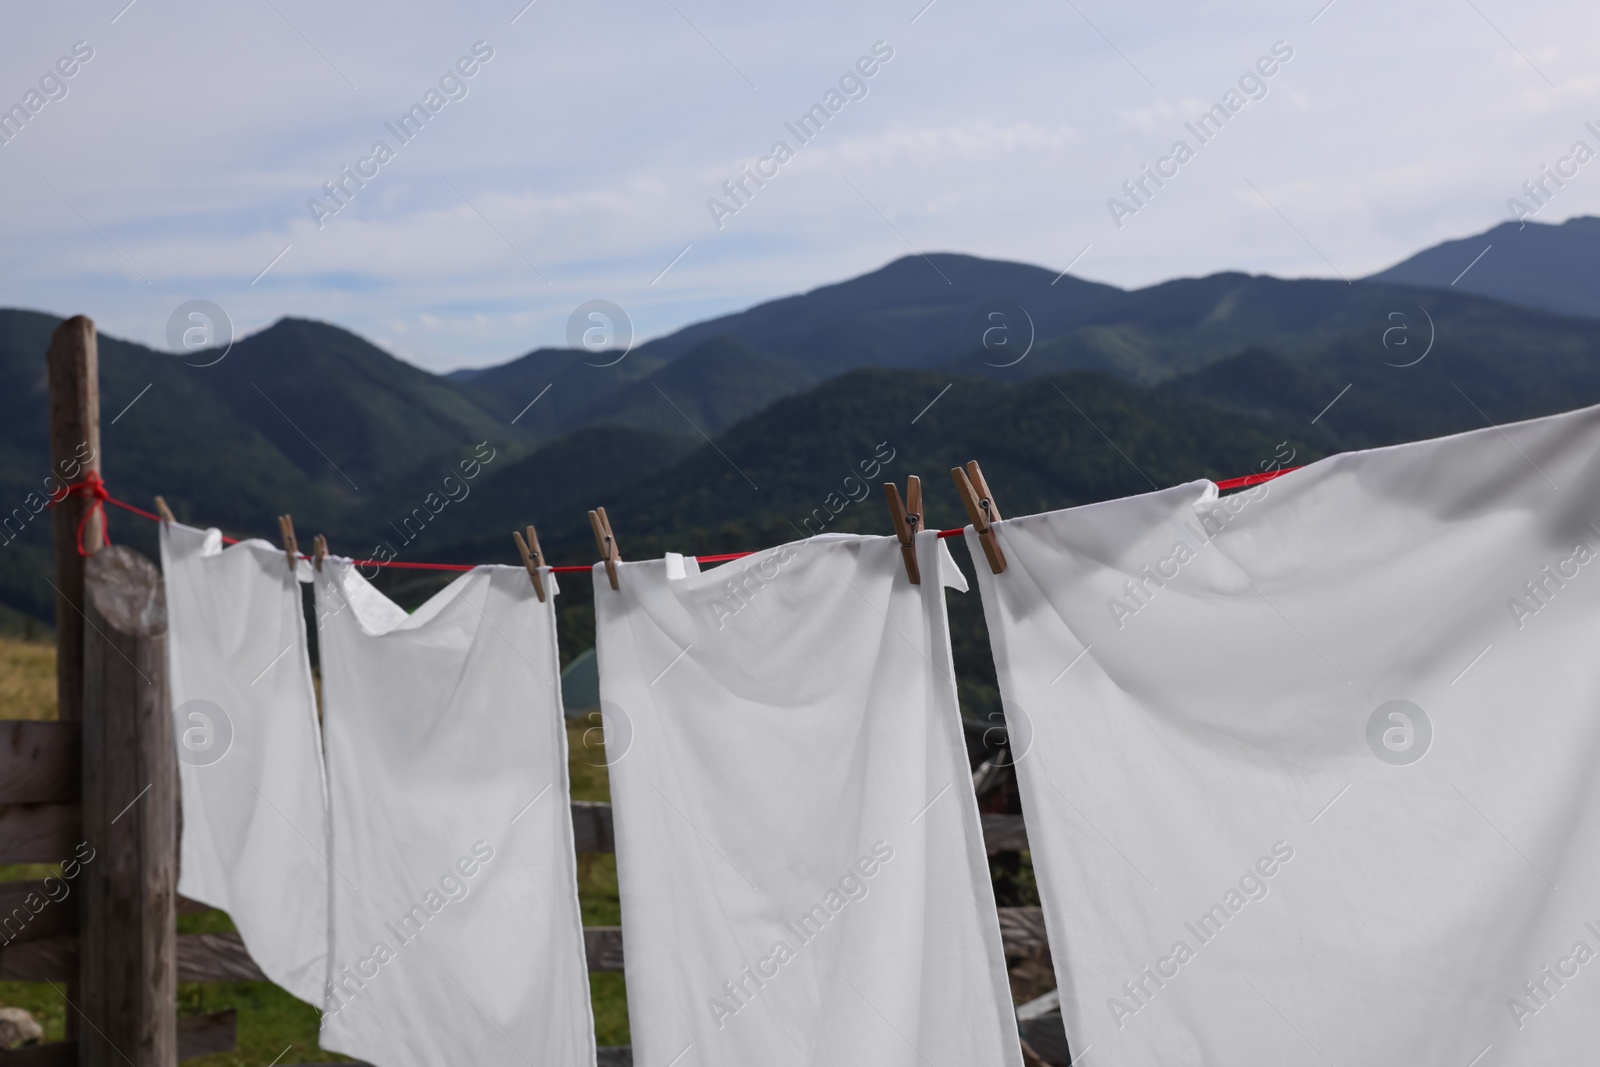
(1021, 934)
(198, 1035)
(47, 959)
(31, 910)
(1022, 931)
(39, 833)
(1004, 833)
(127, 967)
(592, 828)
(202, 1035)
(50, 1054)
(603, 946)
(1030, 1058)
(223, 957)
(215, 958)
(40, 762)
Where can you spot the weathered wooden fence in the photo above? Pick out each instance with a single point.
(97, 792)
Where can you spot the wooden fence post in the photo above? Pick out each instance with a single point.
(74, 374)
(128, 923)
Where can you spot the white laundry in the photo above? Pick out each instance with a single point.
(249, 750)
(457, 936)
(802, 871)
(1304, 767)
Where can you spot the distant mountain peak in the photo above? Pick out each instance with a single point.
(961, 270)
(1545, 265)
(295, 323)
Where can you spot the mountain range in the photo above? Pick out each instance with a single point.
(1552, 268)
(734, 432)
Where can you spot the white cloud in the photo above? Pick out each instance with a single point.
(591, 141)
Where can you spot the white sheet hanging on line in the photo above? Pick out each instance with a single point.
(1305, 766)
(456, 931)
(802, 871)
(249, 750)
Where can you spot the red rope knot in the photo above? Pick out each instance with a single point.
(94, 488)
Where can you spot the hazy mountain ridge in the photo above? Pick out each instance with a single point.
(311, 419)
(1552, 268)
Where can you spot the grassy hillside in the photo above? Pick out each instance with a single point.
(27, 679)
(559, 383)
(1465, 383)
(707, 389)
(1044, 444)
(302, 418)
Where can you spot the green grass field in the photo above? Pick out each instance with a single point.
(273, 1026)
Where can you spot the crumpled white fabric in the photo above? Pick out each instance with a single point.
(249, 749)
(457, 936)
(802, 871)
(1309, 772)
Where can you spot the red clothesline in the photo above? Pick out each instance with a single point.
(92, 486)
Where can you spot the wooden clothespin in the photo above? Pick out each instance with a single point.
(607, 543)
(164, 511)
(907, 518)
(982, 510)
(291, 547)
(531, 558)
(319, 551)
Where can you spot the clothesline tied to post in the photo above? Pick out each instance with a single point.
(94, 487)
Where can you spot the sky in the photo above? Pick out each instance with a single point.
(584, 157)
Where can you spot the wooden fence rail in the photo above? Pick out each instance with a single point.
(44, 755)
(198, 1035)
(222, 957)
(40, 821)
